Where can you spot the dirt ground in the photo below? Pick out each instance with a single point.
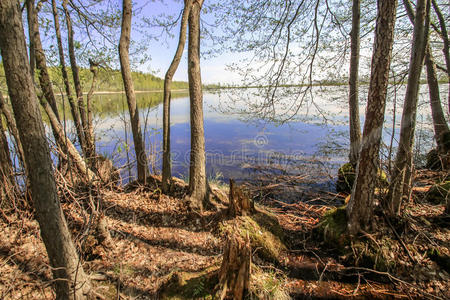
(154, 236)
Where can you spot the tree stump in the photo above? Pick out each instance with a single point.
(234, 273)
(240, 202)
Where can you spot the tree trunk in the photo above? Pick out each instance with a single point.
(404, 152)
(90, 126)
(439, 123)
(73, 105)
(234, 273)
(7, 182)
(166, 169)
(197, 171)
(55, 234)
(355, 127)
(446, 48)
(240, 203)
(124, 45)
(41, 61)
(77, 82)
(11, 123)
(66, 145)
(360, 207)
(30, 13)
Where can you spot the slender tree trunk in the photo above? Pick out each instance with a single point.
(77, 82)
(439, 123)
(355, 127)
(166, 169)
(90, 126)
(360, 207)
(197, 171)
(41, 61)
(66, 145)
(124, 45)
(7, 182)
(30, 13)
(73, 105)
(408, 124)
(11, 123)
(55, 234)
(446, 48)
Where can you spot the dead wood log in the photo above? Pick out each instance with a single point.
(240, 202)
(234, 273)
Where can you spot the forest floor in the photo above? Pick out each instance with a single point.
(155, 236)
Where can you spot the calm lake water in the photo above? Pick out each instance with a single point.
(314, 144)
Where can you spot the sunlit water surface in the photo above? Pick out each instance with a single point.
(313, 144)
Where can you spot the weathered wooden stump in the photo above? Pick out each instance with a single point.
(234, 273)
(240, 202)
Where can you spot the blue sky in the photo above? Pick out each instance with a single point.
(162, 51)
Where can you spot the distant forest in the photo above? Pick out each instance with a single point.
(108, 80)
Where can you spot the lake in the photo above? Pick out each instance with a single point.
(238, 146)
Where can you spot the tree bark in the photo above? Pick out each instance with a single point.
(445, 39)
(7, 182)
(77, 82)
(234, 273)
(166, 168)
(66, 145)
(403, 159)
(11, 123)
(30, 13)
(90, 126)
(55, 234)
(73, 105)
(360, 206)
(240, 203)
(197, 171)
(124, 46)
(440, 125)
(41, 61)
(355, 127)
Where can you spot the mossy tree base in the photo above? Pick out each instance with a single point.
(362, 250)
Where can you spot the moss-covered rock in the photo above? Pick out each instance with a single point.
(439, 193)
(333, 225)
(347, 176)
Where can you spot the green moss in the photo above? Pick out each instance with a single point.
(268, 221)
(264, 231)
(347, 176)
(191, 285)
(333, 226)
(439, 193)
